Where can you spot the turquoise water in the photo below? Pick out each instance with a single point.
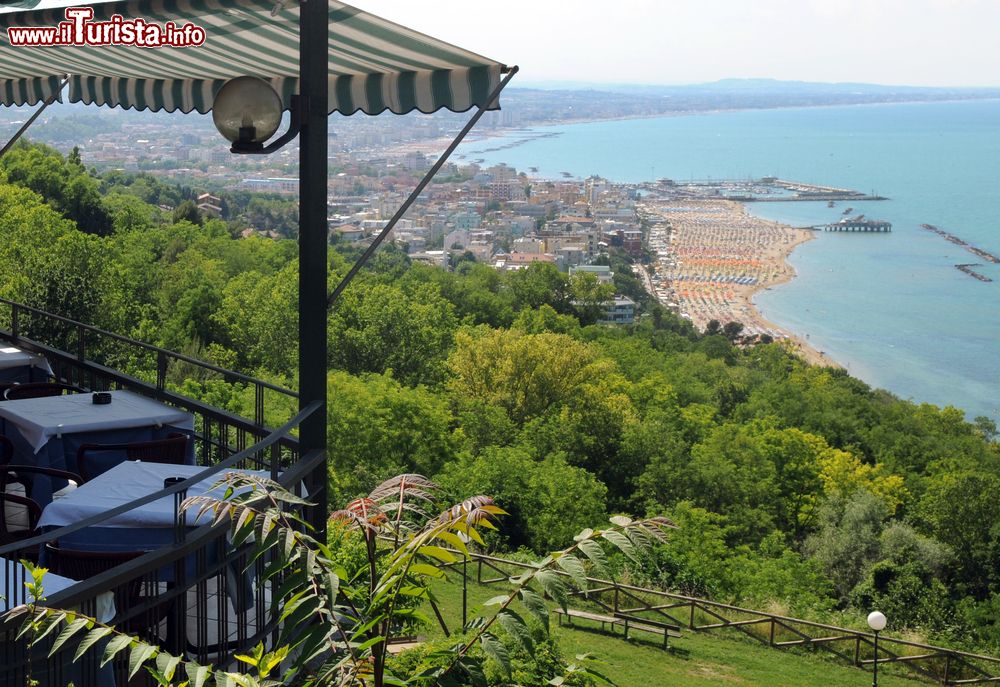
(890, 307)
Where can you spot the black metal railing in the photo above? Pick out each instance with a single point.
(196, 596)
(99, 360)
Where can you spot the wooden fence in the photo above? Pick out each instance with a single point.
(943, 665)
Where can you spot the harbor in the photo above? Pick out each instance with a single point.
(762, 190)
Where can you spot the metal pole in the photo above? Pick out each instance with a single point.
(31, 120)
(875, 663)
(465, 585)
(313, 262)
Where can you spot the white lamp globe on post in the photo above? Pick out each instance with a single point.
(876, 621)
(247, 112)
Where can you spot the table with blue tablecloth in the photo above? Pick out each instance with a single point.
(48, 431)
(149, 526)
(22, 367)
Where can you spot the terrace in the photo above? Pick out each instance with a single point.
(186, 587)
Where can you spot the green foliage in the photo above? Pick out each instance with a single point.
(800, 481)
(334, 628)
(547, 500)
(377, 427)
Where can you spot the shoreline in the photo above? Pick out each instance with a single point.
(706, 247)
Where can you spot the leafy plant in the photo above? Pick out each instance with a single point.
(334, 631)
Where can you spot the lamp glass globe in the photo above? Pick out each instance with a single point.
(247, 101)
(876, 621)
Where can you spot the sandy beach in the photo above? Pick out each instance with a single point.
(713, 256)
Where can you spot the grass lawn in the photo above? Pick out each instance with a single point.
(719, 657)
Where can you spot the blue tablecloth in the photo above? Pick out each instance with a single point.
(22, 367)
(47, 432)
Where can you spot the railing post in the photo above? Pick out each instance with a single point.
(770, 640)
(691, 621)
(15, 328)
(81, 343)
(857, 650)
(258, 406)
(275, 460)
(161, 370)
(947, 669)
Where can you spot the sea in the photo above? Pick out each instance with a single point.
(892, 308)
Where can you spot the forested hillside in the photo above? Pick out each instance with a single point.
(796, 487)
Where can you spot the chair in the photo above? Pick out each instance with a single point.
(82, 565)
(40, 390)
(173, 449)
(18, 521)
(20, 512)
(15, 474)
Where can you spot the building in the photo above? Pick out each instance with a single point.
(210, 205)
(619, 310)
(602, 272)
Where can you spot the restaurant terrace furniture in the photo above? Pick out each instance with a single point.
(94, 459)
(21, 366)
(48, 432)
(20, 512)
(19, 516)
(19, 392)
(83, 565)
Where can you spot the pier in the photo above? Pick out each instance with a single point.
(858, 224)
(948, 236)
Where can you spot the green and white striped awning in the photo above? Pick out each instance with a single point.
(375, 65)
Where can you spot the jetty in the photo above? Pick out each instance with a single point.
(967, 268)
(858, 224)
(948, 236)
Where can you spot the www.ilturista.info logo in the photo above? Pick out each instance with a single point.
(79, 29)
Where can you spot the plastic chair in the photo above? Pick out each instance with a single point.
(173, 449)
(40, 390)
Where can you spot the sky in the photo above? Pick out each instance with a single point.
(898, 42)
(665, 42)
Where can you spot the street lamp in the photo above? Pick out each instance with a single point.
(876, 621)
(247, 112)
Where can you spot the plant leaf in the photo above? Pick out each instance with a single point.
(516, 628)
(574, 568)
(495, 649)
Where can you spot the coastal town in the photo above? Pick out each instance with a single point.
(693, 245)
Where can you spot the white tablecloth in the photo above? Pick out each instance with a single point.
(13, 575)
(126, 482)
(15, 357)
(40, 419)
